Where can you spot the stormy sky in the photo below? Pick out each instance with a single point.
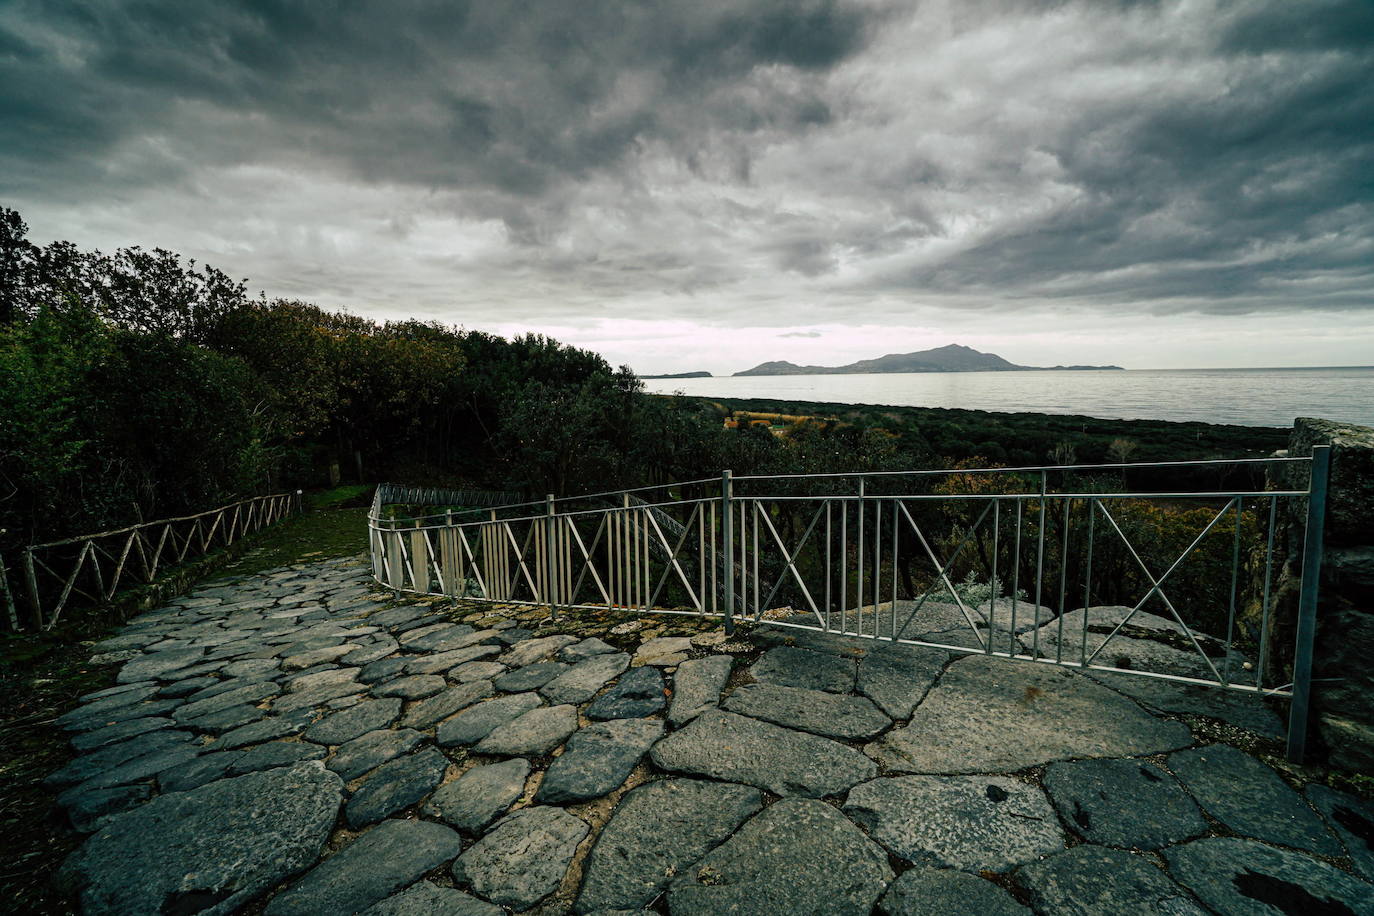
(705, 185)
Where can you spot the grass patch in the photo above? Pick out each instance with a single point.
(349, 496)
(43, 674)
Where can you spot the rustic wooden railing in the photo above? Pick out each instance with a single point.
(92, 568)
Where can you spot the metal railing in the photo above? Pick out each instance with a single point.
(1064, 565)
(93, 567)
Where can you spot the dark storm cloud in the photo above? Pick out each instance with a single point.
(509, 96)
(761, 161)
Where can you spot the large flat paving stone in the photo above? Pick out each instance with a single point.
(897, 678)
(639, 692)
(1127, 803)
(476, 722)
(816, 711)
(597, 760)
(444, 661)
(383, 860)
(89, 810)
(973, 823)
(529, 651)
(315, 696)
(534, 733)
(424, 898)
(394, 786)
(925, 891)
(581, 682)
(445, 703)
(786, 666)
(1097, 881)
(209, 850)
(110, 755)
(797, 856)
(119, 731)
(523, 858)
(1250, 798)
(120, 701)
(530, 677)
(159, 666)
(697, 684)
(658, 830)
(203, 769)
(131, 771)
(663, 651)
(1353, 821)
(989, 715)
(414, 687)
(1243, 710)
(355, 721)
(581, 651)
(479, 796)
(1244, 878)
(735, 748)
(373, 749)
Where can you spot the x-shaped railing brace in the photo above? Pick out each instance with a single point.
(1156, 585)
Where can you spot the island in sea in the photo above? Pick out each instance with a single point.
(680, 375)
(951, 358)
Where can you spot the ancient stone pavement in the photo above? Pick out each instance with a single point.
(300, 743)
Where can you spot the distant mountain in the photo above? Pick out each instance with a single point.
(680, 375)
(952, 358)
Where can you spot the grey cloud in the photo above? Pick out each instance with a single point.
(741, 161)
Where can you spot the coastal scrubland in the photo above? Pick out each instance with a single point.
(137, 385)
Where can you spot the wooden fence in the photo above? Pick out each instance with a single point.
(91, 568)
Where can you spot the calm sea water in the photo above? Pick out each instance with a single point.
(1247, 397)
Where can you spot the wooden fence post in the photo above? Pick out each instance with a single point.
(31, 581)
(9, 596)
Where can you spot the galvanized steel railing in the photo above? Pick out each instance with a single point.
(93, 567)
(1008, 562)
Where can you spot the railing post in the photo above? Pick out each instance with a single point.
(1307, 603)
(548, 555)
(31, 583)
(10, 609)
(727, 493)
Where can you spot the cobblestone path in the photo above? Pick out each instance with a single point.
(299, 743)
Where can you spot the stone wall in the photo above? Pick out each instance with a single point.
(1343, 666)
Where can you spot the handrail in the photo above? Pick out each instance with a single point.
(96, 573)
(864, 561)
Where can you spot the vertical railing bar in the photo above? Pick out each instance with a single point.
(1261, 663)
(715, 584)
(829, 599)
(747, 580)
(728, 548)
(994, 586)
(1307, 603)
(1235, 575)
(893, 504)
(844, 567)
(1015, 579)
(701, 559)
(859, 566)
(877, 561)
(1087, 583)
(757, 610)
(1039, 567)
(1063, 581)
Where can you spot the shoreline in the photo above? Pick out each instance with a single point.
(1019, 437)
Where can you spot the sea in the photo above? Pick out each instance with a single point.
(1244, 397)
